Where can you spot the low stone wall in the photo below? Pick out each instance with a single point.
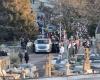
(4, 62)
(76, 77)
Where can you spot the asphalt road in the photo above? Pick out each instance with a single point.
(39, 60)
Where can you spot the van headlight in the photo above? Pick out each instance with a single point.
(36, 46)
(48, 46)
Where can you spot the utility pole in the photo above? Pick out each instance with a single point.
(60, 22)
(67, 63)
(60, 31)
(43, 27)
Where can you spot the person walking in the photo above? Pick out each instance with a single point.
(20, 55)
(26, 56)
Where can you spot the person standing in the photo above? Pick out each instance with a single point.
(71, 49)
(74, 47)
(26, 56)
(20, 55)
(61, 51)
(29, 46)
(22, 43)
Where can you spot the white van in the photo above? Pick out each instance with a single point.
(43, 45)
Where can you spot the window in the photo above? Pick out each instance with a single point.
(42, 41)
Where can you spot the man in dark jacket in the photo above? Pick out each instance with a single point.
(26, 57)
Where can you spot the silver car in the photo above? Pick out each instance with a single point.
(43, 45)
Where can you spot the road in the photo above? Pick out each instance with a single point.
(39, 60)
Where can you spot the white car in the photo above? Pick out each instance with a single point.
(43, 45)
(50, 28)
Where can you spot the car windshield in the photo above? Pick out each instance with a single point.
(42, 41)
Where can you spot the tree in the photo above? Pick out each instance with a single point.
(20, 16)
(69, 12)
(88, 11)
(92, 13)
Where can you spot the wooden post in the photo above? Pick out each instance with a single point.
(67, 69)
(48, 66)
(87, 66)
(46, 69)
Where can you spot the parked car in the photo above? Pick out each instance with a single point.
(43, 45)
(3, 53)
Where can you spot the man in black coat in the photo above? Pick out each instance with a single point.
(26, 57)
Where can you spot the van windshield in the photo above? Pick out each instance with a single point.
(42, 41)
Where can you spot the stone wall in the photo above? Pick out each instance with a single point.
(4, 62)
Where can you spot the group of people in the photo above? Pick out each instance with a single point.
(27, 44)
(54, 36)
(72, 48)
(25, 56)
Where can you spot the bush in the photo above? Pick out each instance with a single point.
(14, 60)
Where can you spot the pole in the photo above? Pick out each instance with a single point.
(42, 30)
(67, 64)
(86, 66)
(48, 66)
(60, 31)
(60, 22)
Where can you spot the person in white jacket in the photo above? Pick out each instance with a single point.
(29, 46)
(61, 51)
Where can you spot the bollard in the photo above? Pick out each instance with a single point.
(23, 74)
(48, 66)
(46, 69)
(86, 65)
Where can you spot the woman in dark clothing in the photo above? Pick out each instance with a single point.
(20, 56)
(26, 57)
